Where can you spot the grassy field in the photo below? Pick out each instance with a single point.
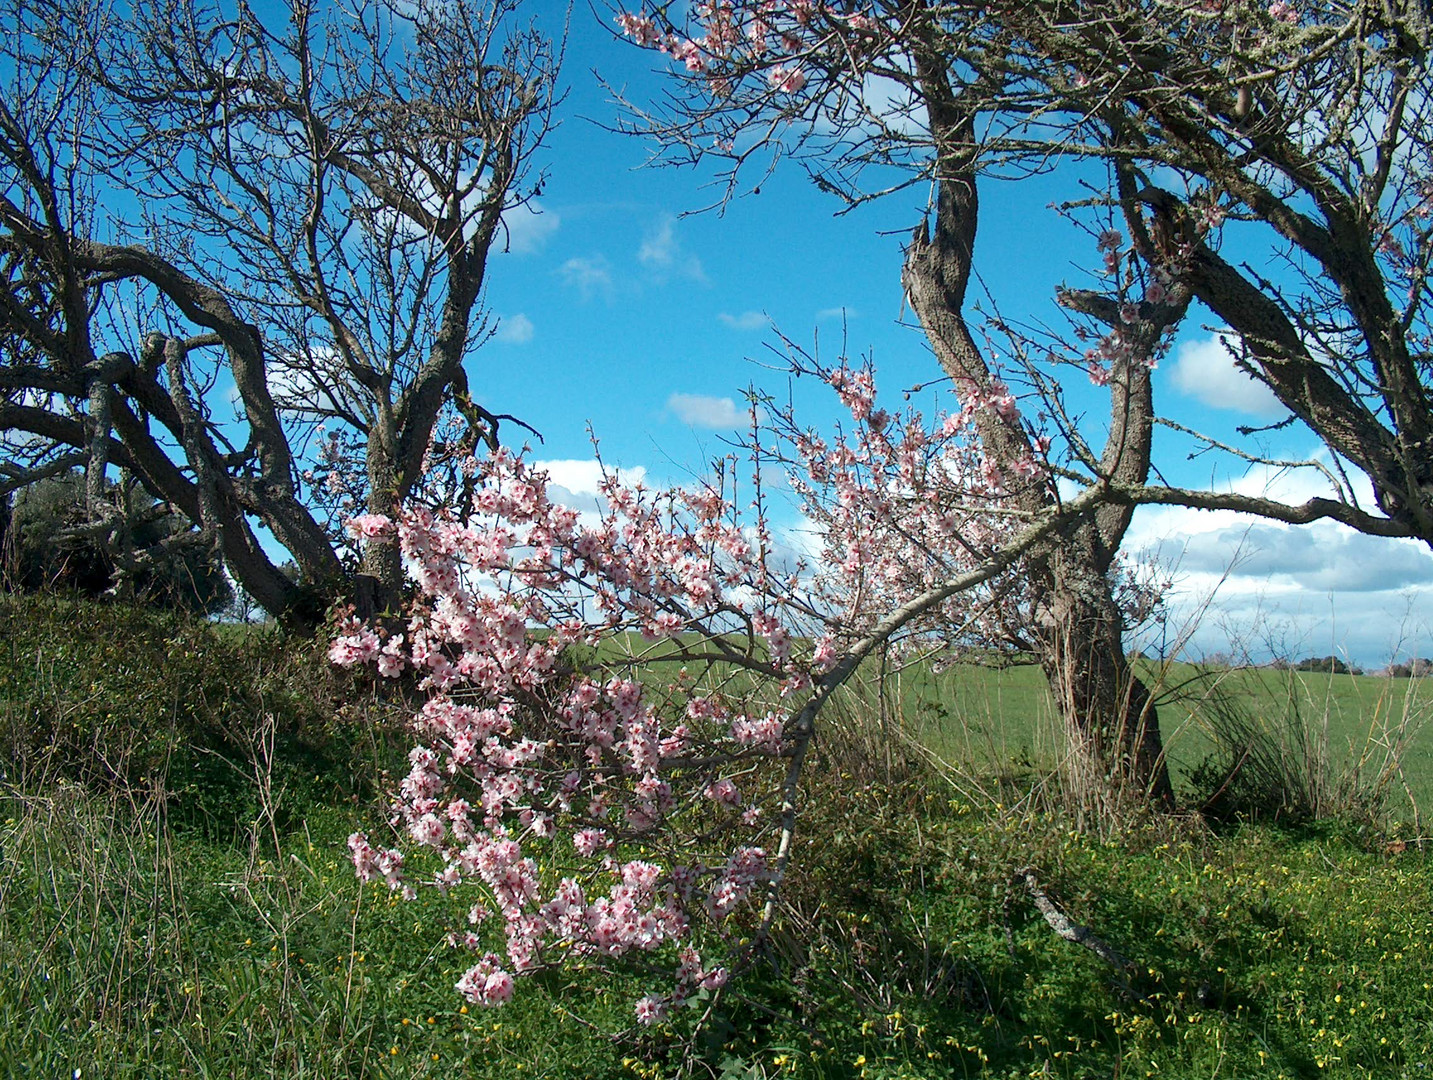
(992, 718)
(176, 901)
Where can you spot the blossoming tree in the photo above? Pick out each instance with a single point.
(621, 707)
(1306, 125)
(621, 704)
(796, 72)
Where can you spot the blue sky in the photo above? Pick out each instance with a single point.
(621, 308)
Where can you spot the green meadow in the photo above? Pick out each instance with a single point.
(989, 718)
(176, 899)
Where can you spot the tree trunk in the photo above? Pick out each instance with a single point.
(379, 587)
(1109, 714)
(1107, 711)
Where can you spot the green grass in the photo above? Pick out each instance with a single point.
(1258, 954)
(1354, 716)
(146, 930)
(129, 950)
(997, 718)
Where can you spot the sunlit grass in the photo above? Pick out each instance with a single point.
(146, 931)
(993, 718)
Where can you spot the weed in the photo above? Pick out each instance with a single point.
(1275, 756)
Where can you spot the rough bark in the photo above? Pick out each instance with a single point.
(1107, 710)
(1112, 719)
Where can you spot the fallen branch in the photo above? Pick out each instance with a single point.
(1073, 932)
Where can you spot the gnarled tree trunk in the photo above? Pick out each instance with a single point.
(1108, 713)
(1110, 716)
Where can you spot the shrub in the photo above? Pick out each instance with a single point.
(1273, 758)
(1330, 665)
(46, 548)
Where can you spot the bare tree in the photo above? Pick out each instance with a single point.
(1302, 138)
(244, 256)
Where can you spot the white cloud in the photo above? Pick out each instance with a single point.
(524, 229)
(889, 105)
(16, 439)
(514, 329)
(1286, 589)
(584, 476)
(747, 320)
(1171, 179)
(1206, 370)
(588, 276)
(314, 379)
(575, 482)
(844, 314)
(1264, 619)
(528, 227)
(662, 252)
(1323, 557)
(715, 413)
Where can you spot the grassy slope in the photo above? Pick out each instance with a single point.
(149, 929)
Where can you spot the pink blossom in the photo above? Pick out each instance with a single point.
(1027, 468)
(537, 762)
(763, 733)
(690, 54)
(639, 28)
(1284, 12)
(369, 527)
(391, 660)
(1000, 401)
(1211, 217)
(486, 983)
(724, 792)
(651, 1009)
(715, 979)
(590, 841)
(786, 80)
(356, 648)
(428, 830)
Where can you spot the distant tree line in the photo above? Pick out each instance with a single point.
(1416, 668)
(1332, 665)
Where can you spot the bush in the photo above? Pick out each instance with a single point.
(1329, 665)
(1273, 758)
(45, 549)
(1417, 668)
